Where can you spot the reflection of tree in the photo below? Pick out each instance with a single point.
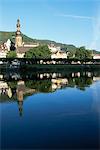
(41, 85)
(12, 84)
(46, 85)
(33, 83)
(79, 82)
(82, 82)
(71, 82)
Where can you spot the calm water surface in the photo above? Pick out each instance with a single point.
(50, 110)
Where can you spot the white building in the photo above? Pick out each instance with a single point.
(96, 56)
(8, 44)
(3, 54)
(32, 45)
(53, 48)
(58, 83)
(20, 55)
(57, 53)
(5, 89)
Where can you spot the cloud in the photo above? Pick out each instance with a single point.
(76, 17)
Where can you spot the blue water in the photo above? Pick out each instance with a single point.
(67, 118)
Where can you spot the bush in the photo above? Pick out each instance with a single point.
(11, 54)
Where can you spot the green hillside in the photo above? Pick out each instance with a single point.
(11, 35)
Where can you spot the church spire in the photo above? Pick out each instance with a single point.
(18, 35)
(18, 32)
(18, 25)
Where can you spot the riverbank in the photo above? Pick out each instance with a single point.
(61, 67)
(54, 68)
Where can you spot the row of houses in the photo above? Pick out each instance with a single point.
(56, 52)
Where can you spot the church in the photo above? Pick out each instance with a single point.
(21, 46)
(18, 44)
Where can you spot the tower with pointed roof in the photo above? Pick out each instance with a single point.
(18, 39)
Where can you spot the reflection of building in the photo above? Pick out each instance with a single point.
(76, 74)
(96, 79)
(20, 102)
(20, 92)
(48, 75)
(5, 89)
(58, 83)
(1, 76)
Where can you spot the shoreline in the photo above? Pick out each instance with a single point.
(50, 67)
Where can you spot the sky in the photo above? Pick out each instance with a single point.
(74, 22)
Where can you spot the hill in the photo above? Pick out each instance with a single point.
(11, 35)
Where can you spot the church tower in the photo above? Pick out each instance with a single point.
(18, 40)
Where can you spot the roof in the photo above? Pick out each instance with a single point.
(59, 51)
(23, 49)
(96, 55)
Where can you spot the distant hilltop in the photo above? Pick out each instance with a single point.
(4, 35)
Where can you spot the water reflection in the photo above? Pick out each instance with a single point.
(16, 86)
(50, 110)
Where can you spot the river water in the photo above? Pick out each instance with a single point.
(50, 110)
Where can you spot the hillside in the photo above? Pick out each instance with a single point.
(11, 35)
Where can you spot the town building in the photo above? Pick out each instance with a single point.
(56, 52)
(3, 54)
(96, 56)
(5, 89)
(59, 54)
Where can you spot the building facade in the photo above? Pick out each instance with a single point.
(96, 56)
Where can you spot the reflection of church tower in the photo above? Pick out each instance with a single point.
(18, 41)
(20, 101)
(20, 93)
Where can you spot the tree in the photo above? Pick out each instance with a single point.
(71, 54)
(41, 52)
(82, 53)
(11, 54)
